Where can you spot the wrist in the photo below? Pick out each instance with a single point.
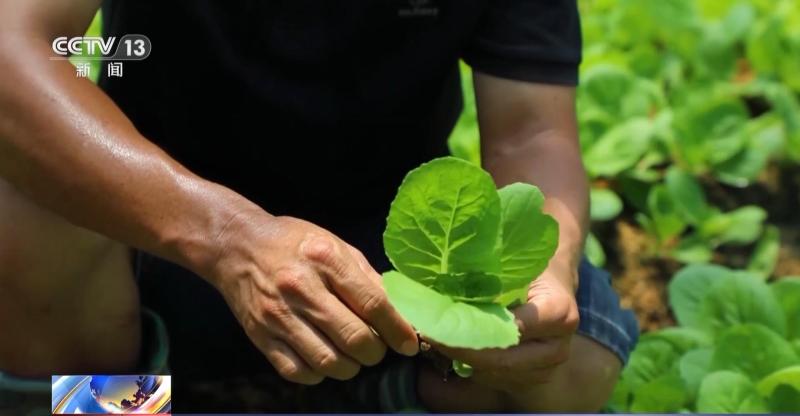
(202, 236)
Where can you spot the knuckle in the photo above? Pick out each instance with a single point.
(320, 249)
(251, 324)
(297, 374)
(327, 362)
(571, 320)
(291, 281)
(374, 304)
(355, 335)
(361, 342)
(291, 372)
(273, 312)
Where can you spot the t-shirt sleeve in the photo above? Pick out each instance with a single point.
(528, 40)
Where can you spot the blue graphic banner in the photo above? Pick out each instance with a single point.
(118, 394)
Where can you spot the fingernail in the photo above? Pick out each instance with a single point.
(409, 348)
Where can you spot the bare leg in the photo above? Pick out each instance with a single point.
(582, 384)
(68, 301)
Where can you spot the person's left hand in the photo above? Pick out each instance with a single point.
(546, 322)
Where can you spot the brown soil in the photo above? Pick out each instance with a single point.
(640, 279)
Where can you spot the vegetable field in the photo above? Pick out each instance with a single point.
(689, 115)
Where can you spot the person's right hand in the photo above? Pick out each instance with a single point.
(309, 301)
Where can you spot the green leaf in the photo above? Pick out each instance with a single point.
(450, 322)
(764, 137)
(787, 291)
(782, 388)
(463, 370)
(740, 226)
(787, 107)
(740, 298)
(469, 287)
(635, 191)
(605, 204)
(650, 359)
(618, 93)
(665, 394)
(594, 251)
(688, 288)
(789, 376)
(716, 53)
(692, 249)
(688, 196)
(529, 238)
(444, 219)
(464, 141)
(784, 399)
(682, 339)
(771, 47)
(729, 392)
(664, 213)
(620, 148)
(765, 255)
(693, 367)
(753, 350)
(620, 398)
(709, 130)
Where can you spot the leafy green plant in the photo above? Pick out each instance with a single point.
(685, 226)
(464, 251)
(735, 350)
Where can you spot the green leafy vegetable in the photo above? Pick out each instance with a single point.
(445, 219)
(664, 394)
(731, 354)
(787, 291)
(440, 318)
(740, 298)
(765, 255)
(753, 350)
(464, 252)
(693, 367)
(688, 288)
(605, 204)
(729, 392)
(594, 251)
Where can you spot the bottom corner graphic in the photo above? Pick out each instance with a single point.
(112, 394)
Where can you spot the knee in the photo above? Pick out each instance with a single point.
(583, 384)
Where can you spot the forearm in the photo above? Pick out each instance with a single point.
(552, 162)
(68, 147)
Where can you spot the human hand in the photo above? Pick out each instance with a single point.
(546, 321)
(309, 301)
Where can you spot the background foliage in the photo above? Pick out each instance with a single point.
(690, 130)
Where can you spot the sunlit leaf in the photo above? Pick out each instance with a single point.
(450, 322)
(729, 392)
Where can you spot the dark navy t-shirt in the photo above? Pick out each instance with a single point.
(318, 108)
(311, 108)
